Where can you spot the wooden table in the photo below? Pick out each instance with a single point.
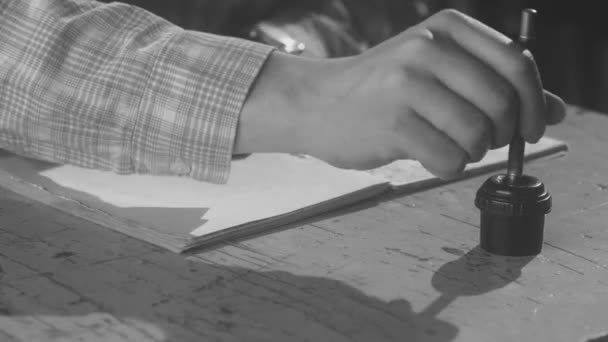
(402, 269)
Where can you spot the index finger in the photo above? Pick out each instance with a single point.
(503, 55)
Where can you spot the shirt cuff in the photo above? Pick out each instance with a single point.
(191, 104)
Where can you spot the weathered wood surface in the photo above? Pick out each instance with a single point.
(403, 269)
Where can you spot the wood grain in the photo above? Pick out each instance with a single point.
(405, 268)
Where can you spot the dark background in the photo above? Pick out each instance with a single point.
(572, 45)
(571, 49)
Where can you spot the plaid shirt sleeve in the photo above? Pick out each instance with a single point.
(114, 87)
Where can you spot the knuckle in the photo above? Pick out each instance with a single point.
(421, 45)
(450, 15)
(400, 124)
(404, 78)
(409, 74)
(399, 80)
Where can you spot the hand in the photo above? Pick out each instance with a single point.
(442, 92)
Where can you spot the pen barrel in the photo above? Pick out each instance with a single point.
(515, 164)
(527, 28)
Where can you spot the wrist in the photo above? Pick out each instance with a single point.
(274, 116)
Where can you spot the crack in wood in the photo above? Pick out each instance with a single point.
(574, 254)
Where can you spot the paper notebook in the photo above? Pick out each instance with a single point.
(265, 191)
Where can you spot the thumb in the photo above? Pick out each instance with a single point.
(555, 110)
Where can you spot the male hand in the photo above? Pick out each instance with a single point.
(443, 92)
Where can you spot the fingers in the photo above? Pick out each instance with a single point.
(431, 147)
(449, 113)
(443, 93)
(474, 81)
(556, 108)
(505, 58)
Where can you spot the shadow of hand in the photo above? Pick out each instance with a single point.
(475, 273)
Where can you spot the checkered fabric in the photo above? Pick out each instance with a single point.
(114, 87)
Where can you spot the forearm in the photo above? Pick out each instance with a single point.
(114, 87)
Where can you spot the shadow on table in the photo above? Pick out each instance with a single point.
(228, 304)
(474, 273)
(134, 302)
(121, 289)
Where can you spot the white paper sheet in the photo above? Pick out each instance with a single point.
(260, 186)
